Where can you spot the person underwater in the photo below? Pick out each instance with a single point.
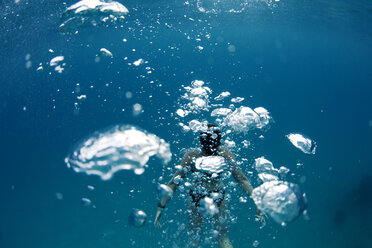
(208, 186)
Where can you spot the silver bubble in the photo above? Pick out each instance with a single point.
(306, 145)
(283, 201)
(137, 218)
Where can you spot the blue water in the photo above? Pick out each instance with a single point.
(307, 62)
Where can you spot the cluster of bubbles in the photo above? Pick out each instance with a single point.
(121, 147)
(197, 102)
(207, 207)
(197, 99)
(244, 119)
(97, 12)
(282, 200)
(230, 6)
(129, 148)
(58, 63)
(218, 6)
(207, 168)
(267, 172)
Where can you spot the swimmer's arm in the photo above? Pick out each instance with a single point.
(238, 175)
(171, 184)
(181, 174)
(163, 202)
(186, 162)
(242, 180)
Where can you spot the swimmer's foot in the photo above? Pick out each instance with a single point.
(225, 243)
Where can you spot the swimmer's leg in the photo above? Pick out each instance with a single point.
(221, 225)
(195, 226)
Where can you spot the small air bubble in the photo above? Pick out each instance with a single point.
(231, 48)
(137, 109)
(128, 95)
(28, 64)
(86, 202)
(139, 171)
(59, 196)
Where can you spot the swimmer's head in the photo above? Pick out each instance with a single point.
(211, 139)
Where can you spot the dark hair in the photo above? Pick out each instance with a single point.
(211, 139)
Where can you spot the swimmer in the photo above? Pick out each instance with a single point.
(208, 185)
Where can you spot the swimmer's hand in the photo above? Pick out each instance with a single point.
(157, 217)
(261, 217)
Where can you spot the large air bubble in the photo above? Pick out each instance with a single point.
(93, 12)
(283, 201)
(208, 208)
(137, 218)
(211, 164)
(121, 147)
(306, 145)
(244, 119)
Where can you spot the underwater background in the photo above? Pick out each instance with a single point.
(307, 62)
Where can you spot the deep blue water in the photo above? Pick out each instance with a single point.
(307, 62)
